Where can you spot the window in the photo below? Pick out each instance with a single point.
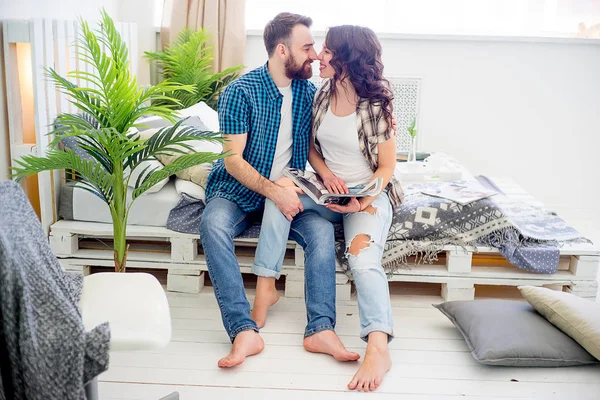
(465, 17)
(158, 12)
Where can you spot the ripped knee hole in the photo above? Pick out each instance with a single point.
(360, 242)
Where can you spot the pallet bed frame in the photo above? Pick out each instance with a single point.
(80, 245)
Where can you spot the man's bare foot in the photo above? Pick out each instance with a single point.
(327, 342)
(374, 367)
(246, 343)
(266, 296)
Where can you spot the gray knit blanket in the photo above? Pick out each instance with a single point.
(46, 352)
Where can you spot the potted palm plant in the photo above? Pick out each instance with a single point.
(114, 99)
(189, 61)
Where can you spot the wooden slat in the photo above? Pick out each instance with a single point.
(48, 212)
(133, 49)
(467, 385)
(62, 54)
(14, 31)
(72, 38)
(50, 44)
(126, 391)
(296, 361)
(98, 229)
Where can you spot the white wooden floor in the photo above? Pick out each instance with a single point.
(430, 360)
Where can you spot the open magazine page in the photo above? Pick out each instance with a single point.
(309, 182)
(313, 186)
(462, 192)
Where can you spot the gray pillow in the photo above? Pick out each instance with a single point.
(509, 332)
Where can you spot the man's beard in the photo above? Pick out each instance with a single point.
(293, 71)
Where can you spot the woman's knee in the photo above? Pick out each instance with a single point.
(363, 254)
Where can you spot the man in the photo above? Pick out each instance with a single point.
(265, 116)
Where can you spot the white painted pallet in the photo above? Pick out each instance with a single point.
(463, 270)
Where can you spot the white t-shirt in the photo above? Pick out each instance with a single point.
(283, 151)
(338, 138)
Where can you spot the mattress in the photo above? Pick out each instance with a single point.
(149, 209)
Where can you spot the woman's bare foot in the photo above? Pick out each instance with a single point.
(246, 343)
(266, 296)
(375, 365)
(327, 342)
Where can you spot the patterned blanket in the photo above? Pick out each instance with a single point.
(526, 236)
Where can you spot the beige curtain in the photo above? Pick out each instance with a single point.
(223, 19)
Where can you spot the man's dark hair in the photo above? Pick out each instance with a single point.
(279, 29)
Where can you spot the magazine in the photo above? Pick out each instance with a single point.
(462, 192)
(313, 186)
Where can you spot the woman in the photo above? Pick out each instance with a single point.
(352, 143)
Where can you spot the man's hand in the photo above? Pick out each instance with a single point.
(394, 125)
(286, 199)
(284, 181)
(335, 185)
(352, 207)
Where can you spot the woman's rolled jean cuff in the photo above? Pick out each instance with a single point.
(265, 272)
(364, 334)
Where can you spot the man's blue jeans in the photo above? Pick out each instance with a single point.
(223, 220)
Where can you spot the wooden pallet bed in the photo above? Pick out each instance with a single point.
(81, 245)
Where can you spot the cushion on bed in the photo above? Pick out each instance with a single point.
(579, 318)
(190, 188)
(197, 174)
(147, 167)
(512, 333)
(150, 210)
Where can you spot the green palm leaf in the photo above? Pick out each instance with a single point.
(189, 62)
(111, 97)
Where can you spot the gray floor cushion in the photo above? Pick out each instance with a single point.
(512, 333)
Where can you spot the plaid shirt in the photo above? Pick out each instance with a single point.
(252, 104)
(372, 128)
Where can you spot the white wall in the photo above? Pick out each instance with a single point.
(60, 9)
(140, 12)
(530, 111)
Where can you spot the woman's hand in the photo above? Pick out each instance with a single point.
(335, 185)
(352, 207)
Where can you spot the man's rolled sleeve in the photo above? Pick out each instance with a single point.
(233, 111)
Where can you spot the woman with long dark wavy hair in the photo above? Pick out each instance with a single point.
(352, 143)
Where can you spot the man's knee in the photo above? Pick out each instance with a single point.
(216, 220)
(319, 229)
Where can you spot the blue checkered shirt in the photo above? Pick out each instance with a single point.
(252, 104)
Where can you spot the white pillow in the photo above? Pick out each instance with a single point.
(577, 317)
(198, 174)
(152, 164)
(190, 188)
(207, 116)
